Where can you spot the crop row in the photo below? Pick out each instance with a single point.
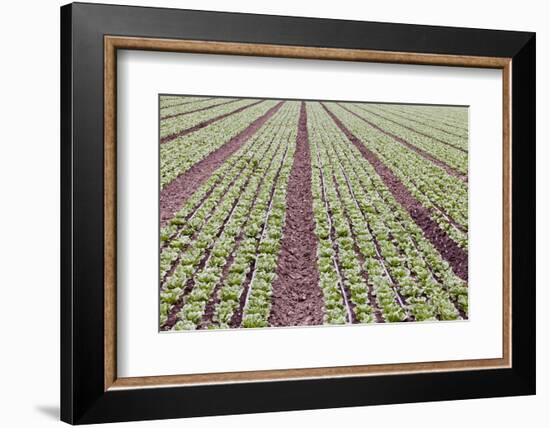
(377, 260)
(445, 195)
(192, 217)
(179, 155)
(437, 130)
(167, 101)
(405, 271)
(195, 214)
(447, 153)
(243, 296)
(214, 244)
(173, 125)
(187, 108)
(230, 209)
(450, 118)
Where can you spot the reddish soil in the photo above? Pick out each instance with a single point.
(449, 169)
(174, 194)
(204, 124)
(449, 250)
(186, 102)
(297, 298)
(197, 110)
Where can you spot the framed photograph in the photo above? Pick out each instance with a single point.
(265, 213)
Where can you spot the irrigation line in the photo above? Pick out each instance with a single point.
(336, 267)
(266, 220)
(379, 256)
(239, 238)
(204, 260)
(175, 263)
(412, 182)
(411, 240)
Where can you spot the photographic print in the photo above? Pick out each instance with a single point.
(285, 212)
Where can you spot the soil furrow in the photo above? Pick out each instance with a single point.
(449, 250)
(171, 116)
(175, 193)
(297, 298)
(449, 169)
(205, 123)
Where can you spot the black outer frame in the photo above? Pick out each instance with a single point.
(83, 399)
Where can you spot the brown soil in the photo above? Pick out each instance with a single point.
(449, 250)
(449, 169)
(174, 194)
(171, 116)
(297, 298)
(204, 124)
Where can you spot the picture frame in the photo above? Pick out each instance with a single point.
(91, 390)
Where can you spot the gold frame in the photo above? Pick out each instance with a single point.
(112, 43)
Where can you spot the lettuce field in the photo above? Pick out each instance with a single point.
(281, 213)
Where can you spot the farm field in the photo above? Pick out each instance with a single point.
(277, 213)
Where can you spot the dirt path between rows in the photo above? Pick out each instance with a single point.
(297, 298)
(205, 123)
(448, 168)
(184, 113)
(449, 250)
(174, 194)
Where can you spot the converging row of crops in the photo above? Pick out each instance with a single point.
(281, 213)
